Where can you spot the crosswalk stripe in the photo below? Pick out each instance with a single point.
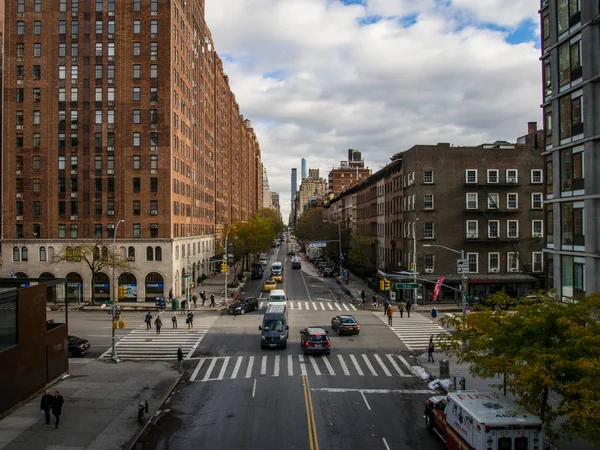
(299, 305)
(314, 306)
(211, 366)
(369, 365)
(338, 306)
(401, 358)
(306, 304)
(345, 307)
(353, 307)
(249, 368)
(330, 307)
(383, 367)
(236, 369)
(395, 365)
(355, 362)
(263, 365)
(224, 367)
(302, 366)
(261, 305)
(322, 305)
(197, 369)
(291, 305)
(276, 368)
(343, 364)
(328, 365)
(314, 365)
(290, 366)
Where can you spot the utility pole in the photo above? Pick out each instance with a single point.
(113, 352)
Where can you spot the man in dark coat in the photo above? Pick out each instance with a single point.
(57, 404)
(46, 405)
(408, 307)
(180, 358)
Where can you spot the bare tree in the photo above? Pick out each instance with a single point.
(97, 255)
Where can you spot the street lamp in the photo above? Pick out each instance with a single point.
(339, 241)
(226, 259)
(463, 287)
(113, 353)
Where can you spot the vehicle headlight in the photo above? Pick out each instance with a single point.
(262, 338)
(283, 336)
(238, 308)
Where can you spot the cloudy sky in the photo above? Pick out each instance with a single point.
(317, 77)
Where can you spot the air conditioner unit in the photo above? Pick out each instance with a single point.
(153, 58)
(19, 195)
(153, 212)
(153, 103)
(110, 171)
(19, 217)
(537, 235)
(19, 172)
(19, 127)
(153, 171)
(494, 270)
(154, 226)
(73, 217)
(472, 236)
(111, 13)
(19, 81)
(110, 126)
(154, 149)
(110, 213)
(110, 149)
(131, 258)
(512, 269)
(74, 172)
(73, 194)
(153, 125)
(73, 126)
(111, 103)
(428, 270)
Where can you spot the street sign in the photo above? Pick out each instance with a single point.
(462, 265)
(318, 244)
(408, 285)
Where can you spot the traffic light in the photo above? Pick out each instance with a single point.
(382, 285)
(122, 292)
(223, 267)
(412, 267)
(387, 285)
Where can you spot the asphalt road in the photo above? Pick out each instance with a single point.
(237, 396)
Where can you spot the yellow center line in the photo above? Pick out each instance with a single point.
(306, 402)
(310, 416)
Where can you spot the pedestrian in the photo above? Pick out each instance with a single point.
(158, 323)
(374, 300)
(430, 349)
(408, 307)
(183, 303)
(362, 295)
(386, 305)
(174, 320)
(180, 359)
(203, 297)
(170, 294)
(212, 300)
(148, 321)
(390, 314)
(194, 299)
(190, 320)
(434, 314)
(46, 405)
(57, 403)
(401, 309)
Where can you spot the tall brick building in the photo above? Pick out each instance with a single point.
(120, 110)
(349, 173)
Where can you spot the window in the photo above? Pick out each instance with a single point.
(137, 163)
(493, 201)
(428, 201)
(137, 70)
(154, 49)
(110, 116)
(24, 254)
(512, 176)
(136, 208)
(537, 259)
(157, 250)
(98, 94)
(136, 5)
(512, 200)
(494, 262)
(512, 229)
(473, 259)
(42, 253)
(136, 185)
(472, 229)
(537, 176)
(493, 176)
(137, 94)
(36, 185)
(74, 6)
(111, 50)
(136, 116)
(153, 207)
(154, 5)
(472, 200)
(62, 231)
(154, 116)
(153, 139)
(153, 184)
(20, 95)
(74, 49)
(571, 115)
(512, 262)
(568, 14)
(137, 232)
(149, 254)
(20, 28)
(37, 72)
(137, 27)
(572, 223)
(110, 94)
(62, 27)
(429, 262)
(154, 27)
(74, 94)
(16, 254)
(137, 46)
(75, 27)
(153, 94)
(153, 71)
(428, 232)
(98, 163)
(20, 6)
(20, 118)
(74, 75)
(111, 27)
(154, 234)
(62, 72)
(537, 228)
(36, 117)
(536, 200)
(471, 175)
(136, 139)
(569, 62)
(571, 170)
(36, 163)
(37, 95)
(98, 72)
(98, 48)
(98, 27)
(20, 50)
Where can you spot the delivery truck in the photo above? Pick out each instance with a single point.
(476, 420)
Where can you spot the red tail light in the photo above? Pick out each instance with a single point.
(357, 326)
(306, 343)
(328, 343)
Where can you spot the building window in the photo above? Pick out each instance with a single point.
(428, 176)
(473, 259)
(471, 175)
(36, 186)
(429, 262)
(512, 200)
(550, 224)
(512, 229)
(42, 253)
(136, 5)
(137, 49)
(428, 231)
(537, 228)
(36, 161)
(137, 139)
(137, 27)
(136, 208)
(21, 6)
(571, 115)
(154, 27)
(37, 27)
(137, 231)
(493, 201)
(472, 200)
(157, 251)
(137, 71)
(568, 14)
(512, 262)
(153, 71)
(62, 231)
(569, 62)
(153, 207)
(20, 28)
(137, 94)
(571, 170)
(16, 254)
(153, 162)
(154, 233)
(472, 229)
(537, 176)
(572, 223)
(136, 116)
(153, 94)
(493, 176)
(153, 184)
(62, 72)
(98, 48)
(537, 200)
(137, 162)
(154, 49)
(428, 201)
(538, 261)
(494, 262)
(512, 176)
(136, 186)
(20, 95)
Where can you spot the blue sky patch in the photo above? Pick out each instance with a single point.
(276, 74)
(368, 20)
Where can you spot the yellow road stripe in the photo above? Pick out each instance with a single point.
(308, 418)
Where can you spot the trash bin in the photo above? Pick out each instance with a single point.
(444, 368)
(175, 304)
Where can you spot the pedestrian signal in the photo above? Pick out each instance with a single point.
(412, 267)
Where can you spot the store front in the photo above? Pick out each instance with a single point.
(154, 287)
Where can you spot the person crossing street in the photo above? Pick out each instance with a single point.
(408, 308)
(212, 300)
(390, 314)
(158, 323)
(180, 358)
(148, 320)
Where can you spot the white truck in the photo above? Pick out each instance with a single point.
(476, 420)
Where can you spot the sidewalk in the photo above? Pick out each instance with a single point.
(100, 409)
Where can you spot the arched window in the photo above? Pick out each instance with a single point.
(158, 253)
(50, 253)
(149, 254)
(16, 254)
(96, 253)
(104, 253)
(69, 253)
(42, 253)
(24, 254)
(77, 254)
(131, 254)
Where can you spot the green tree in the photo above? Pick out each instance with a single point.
(310, 225)
(360, 256)
(547, 350)
(97, 256)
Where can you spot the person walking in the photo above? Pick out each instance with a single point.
(174, 320)
(401, 309)
(212, 300)
(180, 359)
(203, 297)
(183, 304)
(434, 314)
(363, 295)
(386, 305)
(148, 321)
(190, 320)
(374, 300)
(430, 349)
(158, 323)
(390, 314)
(46, 405)
(57, 404)
(194, 299)
(171, 294)
(408, 307)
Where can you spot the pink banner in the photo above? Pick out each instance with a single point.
(438, 286)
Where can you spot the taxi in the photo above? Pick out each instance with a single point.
(278, 278)
(270, 284)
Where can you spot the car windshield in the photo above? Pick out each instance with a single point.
(318, 338)
(235, 305)
(273, 325)
(348, 320)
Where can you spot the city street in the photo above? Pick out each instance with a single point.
(236, 395)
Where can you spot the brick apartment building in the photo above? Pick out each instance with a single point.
(120, 111)
(349, 173)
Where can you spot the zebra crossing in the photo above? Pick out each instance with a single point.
(239, 367)
(315, 306)
(413, 331)
(147, 345)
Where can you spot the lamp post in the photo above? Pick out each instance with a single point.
(463, 286)
(414, 226)
(339, 242)
(226, 261)
(113, 352)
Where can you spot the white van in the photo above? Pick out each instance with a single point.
(276, 268)
(277, 297)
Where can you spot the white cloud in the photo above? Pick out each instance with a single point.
(380, 88)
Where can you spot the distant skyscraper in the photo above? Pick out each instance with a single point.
(294, 183)
(303, 170)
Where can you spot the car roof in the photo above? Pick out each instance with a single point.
(315, 330)
(346, 316)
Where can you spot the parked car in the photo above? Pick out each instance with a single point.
(269, 285)
(327, 272)
(78, 346)
(296, 264)
(314, 340)
(243, 306)
(263, 261)
(345, 324)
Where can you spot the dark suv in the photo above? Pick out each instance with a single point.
(314, 340)
(243, 306)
